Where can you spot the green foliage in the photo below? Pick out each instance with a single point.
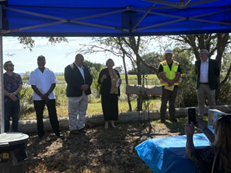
(60, 95)
(26, 101)
(152, 59)
(186, 96)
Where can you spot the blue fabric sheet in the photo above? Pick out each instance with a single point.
(168, 154)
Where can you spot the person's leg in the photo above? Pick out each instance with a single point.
(164, 100)
(7, 115)
(114, 110)
(105, 102)
(82, 111)
(53, 116)
(15, 115)
(201, 100)
(39, 107)
(73, 111)
(211, 97)
(172, 99)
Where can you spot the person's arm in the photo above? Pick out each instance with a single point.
(102, 77)
(18, 89)
(196, 67)
(10, 95)
(68, 76)
(36, 90)
(205, 130)
(189, 129)
(217, 69)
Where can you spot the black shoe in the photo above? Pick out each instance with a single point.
(173, 120)
(82, 130)
(74, 132)
(40, 137)
(60, 135)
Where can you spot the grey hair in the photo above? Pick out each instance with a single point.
(205, 51)
(110, 60)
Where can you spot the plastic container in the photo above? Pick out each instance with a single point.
(13, 155)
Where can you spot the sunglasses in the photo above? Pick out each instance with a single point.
(222, 116)
(11, 65)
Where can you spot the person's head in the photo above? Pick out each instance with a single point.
(168, 55)
(41, 61)
(8, 66)
(223, 140)
(222, 126)
(79, 60)
(204, 54)
(110, 63)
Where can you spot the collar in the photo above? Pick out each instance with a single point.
(78, 66)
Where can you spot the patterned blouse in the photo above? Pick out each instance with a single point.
(203, 160)
(11, 84)
(114, 78)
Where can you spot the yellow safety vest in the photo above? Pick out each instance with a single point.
(170, 74)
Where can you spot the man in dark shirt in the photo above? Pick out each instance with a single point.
(12, 87)
(169, 73)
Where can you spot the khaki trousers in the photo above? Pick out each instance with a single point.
(77, 106)
(202, 92)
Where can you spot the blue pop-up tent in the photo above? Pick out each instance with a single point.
(111, 18)
(114, 17)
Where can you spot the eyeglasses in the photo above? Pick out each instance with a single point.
(11, 65)
(222, 116)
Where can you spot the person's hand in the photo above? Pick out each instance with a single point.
(200, 124)
(84, 87)
(170, 82)
(13, 97)
(45, 98)
(189, 129)
(104, 77)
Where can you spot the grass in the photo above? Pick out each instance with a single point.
(98, 150)
(93, 109)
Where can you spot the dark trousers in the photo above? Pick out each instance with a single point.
(39, 107)
(170, 96)
(11, 109)
(110, 107)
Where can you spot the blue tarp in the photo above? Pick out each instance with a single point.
(114, 17)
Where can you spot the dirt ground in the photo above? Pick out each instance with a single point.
(98, 150)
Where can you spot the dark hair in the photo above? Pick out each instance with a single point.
(41, 57)
(5, 64)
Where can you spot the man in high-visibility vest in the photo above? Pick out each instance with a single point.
(169, 73)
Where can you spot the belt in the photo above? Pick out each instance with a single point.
(204, 83)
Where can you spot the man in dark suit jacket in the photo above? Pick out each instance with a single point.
(78, 80)
(207, 71)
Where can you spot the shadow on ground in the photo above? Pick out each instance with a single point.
(98, 150)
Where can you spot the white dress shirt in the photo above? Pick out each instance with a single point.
(204, 71)
(43, 81)
(81, 71)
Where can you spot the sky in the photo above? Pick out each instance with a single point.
(56, 55)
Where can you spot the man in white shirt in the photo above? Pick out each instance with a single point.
(43, 82)
(207, 71)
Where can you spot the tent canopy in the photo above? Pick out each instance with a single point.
(114, 17)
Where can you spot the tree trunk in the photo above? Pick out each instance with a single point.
(126, 79)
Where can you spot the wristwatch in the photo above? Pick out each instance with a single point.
(15, 93)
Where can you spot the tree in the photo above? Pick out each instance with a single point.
(29, 43)
(128, 47)
(217, 44)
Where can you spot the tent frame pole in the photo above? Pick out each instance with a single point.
(2, 117)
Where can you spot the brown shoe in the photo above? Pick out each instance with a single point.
(74, 132)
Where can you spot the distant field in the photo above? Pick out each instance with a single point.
(132, 79)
